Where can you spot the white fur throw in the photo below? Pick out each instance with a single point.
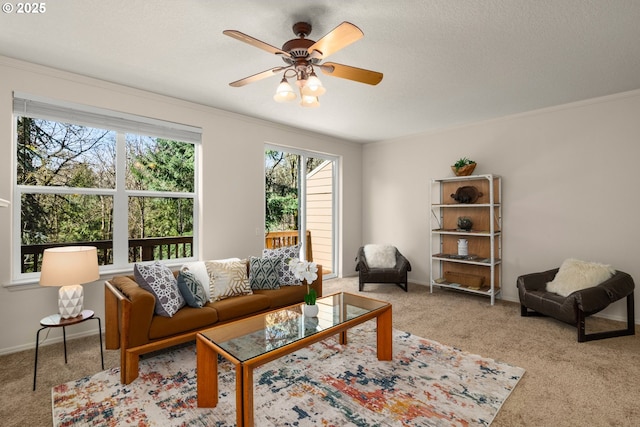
(380, 256)
(574, 275)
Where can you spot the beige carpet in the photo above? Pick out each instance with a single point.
(566, 383)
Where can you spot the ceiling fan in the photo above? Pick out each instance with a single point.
(302, 55)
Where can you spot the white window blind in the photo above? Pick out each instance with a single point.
(41, 108)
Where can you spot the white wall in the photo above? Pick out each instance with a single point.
(233, 183)
(570, 187)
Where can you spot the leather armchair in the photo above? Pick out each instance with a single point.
(397, 274)
(573, 309)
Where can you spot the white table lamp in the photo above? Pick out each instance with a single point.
(69, 267)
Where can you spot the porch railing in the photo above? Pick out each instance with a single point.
(278, 239)
(147, 249)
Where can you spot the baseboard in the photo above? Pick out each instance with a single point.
(47, 341)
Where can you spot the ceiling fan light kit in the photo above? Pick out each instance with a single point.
(301, 55)
(285, 92)
(309, 101)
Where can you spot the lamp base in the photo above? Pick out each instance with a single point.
(70, 301)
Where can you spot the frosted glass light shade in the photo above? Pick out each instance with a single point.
(313, 86)
(310, 101)
(285, 92)
(69, 267)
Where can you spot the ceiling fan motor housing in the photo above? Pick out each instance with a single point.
(298, 48)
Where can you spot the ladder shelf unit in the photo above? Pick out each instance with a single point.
(477, 271)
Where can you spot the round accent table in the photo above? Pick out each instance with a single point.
(56, 321)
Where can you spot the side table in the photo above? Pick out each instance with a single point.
(55, 321)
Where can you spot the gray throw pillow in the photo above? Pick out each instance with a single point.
(285, 253)
(160, 281)
(191, 289)
(263, 273)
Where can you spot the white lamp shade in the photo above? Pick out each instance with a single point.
(313, 87)
(69, 265)
(309, 101)
(284, 93)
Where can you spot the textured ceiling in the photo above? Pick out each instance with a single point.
(445, 62)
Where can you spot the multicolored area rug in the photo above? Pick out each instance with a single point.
(327, 384)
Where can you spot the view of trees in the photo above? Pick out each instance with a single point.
(52, 154)
(281, 188)
(70, 175)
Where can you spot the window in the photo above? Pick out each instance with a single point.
(122, 183)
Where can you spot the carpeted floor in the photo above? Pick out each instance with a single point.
(426, 384)
(566, 383)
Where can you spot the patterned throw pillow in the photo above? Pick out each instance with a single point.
(227, 279)
(285, 253)
(160, 281)
(191, 289)
(263, 273)
(200, 270)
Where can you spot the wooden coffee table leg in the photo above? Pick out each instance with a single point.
(247, 396)
(385, 335)
(343, 337)
(207, 373)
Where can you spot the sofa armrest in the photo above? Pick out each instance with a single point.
(112, 308)
(136, 312)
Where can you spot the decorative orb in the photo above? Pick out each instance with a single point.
(465, 223)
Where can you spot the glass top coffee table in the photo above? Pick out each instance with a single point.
(254, 341)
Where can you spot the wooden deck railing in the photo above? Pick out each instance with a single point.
(278, 239)
(147, 249)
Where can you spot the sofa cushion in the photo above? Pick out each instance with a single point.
(185, 320)
(240, 306)
(263, 273)
(191, 289)
(575, 275)
(284, 253)
(227, 279)
(285, 296)
(160, 281)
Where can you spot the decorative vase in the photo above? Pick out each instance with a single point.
(309, 310)
(463, 247)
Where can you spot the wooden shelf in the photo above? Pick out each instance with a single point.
(484, 290)
(484, 240)
(468, 259)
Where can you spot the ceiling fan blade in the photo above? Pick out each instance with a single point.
(255, 42)
(351, 73)
(256, 77)
(340, 37)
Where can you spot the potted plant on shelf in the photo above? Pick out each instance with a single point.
(306, 271)
(463, 167)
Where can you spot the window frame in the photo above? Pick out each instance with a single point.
(121, 124)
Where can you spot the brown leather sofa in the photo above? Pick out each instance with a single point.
(573, 309)
(132, 326)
